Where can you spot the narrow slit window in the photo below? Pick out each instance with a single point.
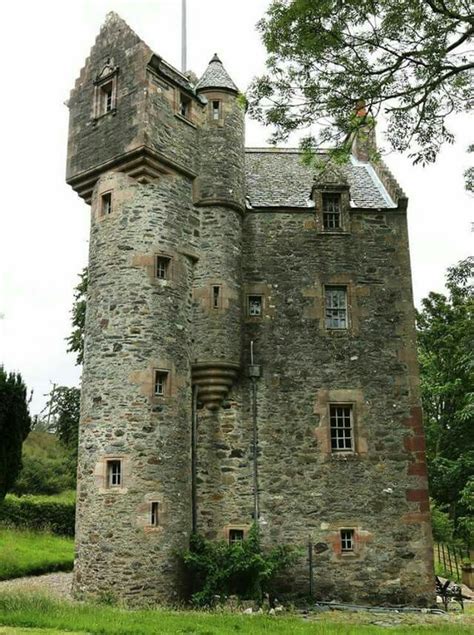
(106, 204)
(342, 428)
(162, 267)
(216, 297)
(114, 473)
(332, 211)
(216, 110)
(154, 518)
(347, 540)
(235, 535)
(106, 97)
(255, 305)
(336, 308)
(161, 383)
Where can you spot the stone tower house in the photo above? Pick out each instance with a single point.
(250, 344)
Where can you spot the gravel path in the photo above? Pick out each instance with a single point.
(56, 584)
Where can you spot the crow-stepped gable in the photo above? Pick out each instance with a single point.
(250, 344)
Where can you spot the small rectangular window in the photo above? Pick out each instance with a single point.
(114, 473)
(162, 267)
(255, 305)
(154, 520)
(216, 297)
(161, 382)
(342, 429)
(336, 307)
(106, 97)
(216, 110)
(331, 211)
(106, 204)
(347, 540)
(235, 535)
(184, 105)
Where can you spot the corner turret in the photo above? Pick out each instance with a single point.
(216, 77)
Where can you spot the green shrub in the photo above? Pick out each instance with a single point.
(218, 569)
(56, 514)
(442, 525)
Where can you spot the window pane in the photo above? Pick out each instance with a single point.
(340, 421)
(336, 307)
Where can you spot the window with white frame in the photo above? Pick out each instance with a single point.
(336, 307)
(215, 109)
(106, 204)
(235, 535)
(162, 267)
(184, 107)
(255, 305)
(161, 383)
(331, 211)
(342, 427)
(114, 473)
(347, 540)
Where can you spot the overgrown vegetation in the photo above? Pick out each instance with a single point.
(244, 568)
(76, 339)
(15, 424)
(39, 513)
(48, 467)
(446, 353)
(30, 553)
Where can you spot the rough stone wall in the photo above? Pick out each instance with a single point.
(136, 324)
(305, 490)
(94, 141)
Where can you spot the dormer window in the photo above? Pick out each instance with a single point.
(105, 93)
(184, 106)
(332, 211)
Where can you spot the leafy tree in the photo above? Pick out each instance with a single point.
(64, 406)
(446, 353)
(408, 59)
(76, 339)
(15, 424)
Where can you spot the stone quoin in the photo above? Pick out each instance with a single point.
(249, 348)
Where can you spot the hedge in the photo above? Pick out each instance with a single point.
(39, 513)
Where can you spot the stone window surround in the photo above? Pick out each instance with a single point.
(99, 84)
(333, 537)
(167, 383)
(106, 199)
(191, 115)
(148, 261)
(326, 398)
(227, 529)
(343, 191)
(169, 269)
(318, 309)
(263, 290)
(143, 511)
(101, 474)
(262, 305)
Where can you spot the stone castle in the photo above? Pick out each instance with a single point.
(250, 344)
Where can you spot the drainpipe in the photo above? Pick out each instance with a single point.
(194, 460)
(254, 374)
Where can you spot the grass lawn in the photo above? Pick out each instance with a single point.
(30, 553)
(22, 611)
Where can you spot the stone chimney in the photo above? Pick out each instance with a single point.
(364, 143)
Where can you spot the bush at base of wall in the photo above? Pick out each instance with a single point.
(53, 513)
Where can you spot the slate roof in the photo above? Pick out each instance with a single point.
(215, 76)
(276, 177)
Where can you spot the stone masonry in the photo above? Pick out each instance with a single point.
(210, 324)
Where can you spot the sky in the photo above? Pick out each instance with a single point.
(44, 225)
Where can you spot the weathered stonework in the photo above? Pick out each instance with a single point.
(232, 224)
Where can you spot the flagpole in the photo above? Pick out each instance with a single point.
(183, 37)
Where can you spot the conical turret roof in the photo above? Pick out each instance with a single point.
(215, 76)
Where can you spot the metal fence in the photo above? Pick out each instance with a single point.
(448, 558)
